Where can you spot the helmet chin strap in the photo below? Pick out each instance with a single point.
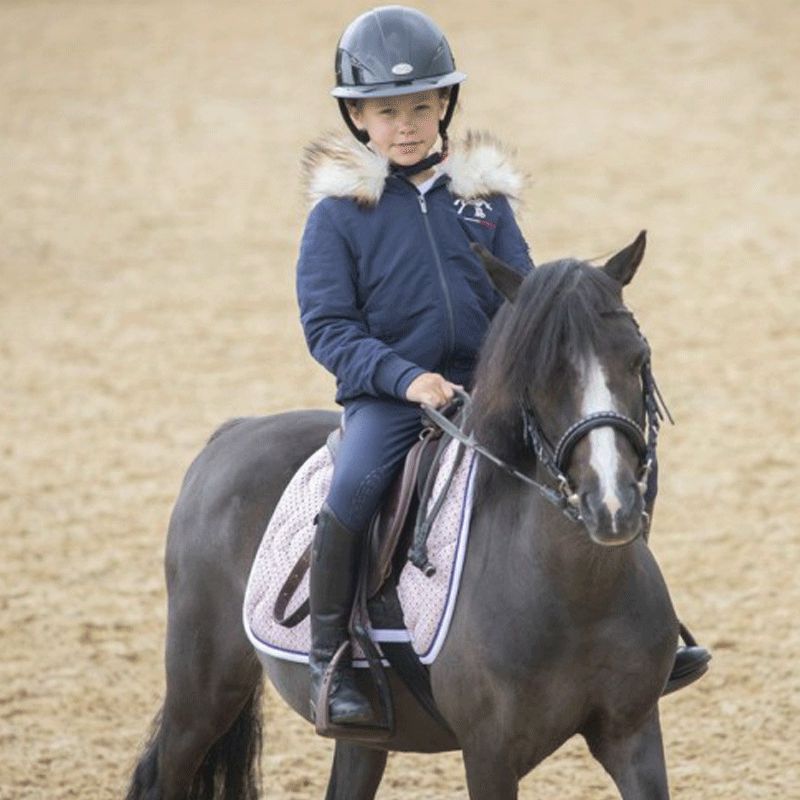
(421, 166)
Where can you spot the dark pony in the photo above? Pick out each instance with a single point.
(563, 624)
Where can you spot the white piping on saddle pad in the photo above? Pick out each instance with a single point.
(267, 649)
(411, 585)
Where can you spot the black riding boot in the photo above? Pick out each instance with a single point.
(691, 663)
(334, 566)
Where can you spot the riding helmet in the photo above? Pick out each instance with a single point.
(394, 50)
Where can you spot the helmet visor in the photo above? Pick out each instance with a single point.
(396, 88)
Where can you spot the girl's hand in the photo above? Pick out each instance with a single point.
(432, 389)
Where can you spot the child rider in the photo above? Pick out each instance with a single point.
(393, 301)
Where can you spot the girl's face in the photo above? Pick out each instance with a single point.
(404, 129)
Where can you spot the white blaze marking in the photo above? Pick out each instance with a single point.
(604, 455)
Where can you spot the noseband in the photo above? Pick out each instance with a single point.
(555, 460)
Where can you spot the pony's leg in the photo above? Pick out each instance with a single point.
(635, 762)
(356, 772)
(213, 678)
(489, 775)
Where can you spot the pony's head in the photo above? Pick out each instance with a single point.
(564, 360)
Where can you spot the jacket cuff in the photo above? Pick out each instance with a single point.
(394, 375)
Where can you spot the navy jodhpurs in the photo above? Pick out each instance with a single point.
(378, 434)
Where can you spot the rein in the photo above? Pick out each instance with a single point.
(555, 460)
(469, 441)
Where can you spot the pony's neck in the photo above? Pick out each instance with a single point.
(518, 532)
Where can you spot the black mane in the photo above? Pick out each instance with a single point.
(559, 314)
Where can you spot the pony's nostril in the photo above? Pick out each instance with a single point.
(635, 496)
(593, 508)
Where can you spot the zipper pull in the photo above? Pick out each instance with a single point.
(422, 204)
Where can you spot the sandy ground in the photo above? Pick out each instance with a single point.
(149, 218)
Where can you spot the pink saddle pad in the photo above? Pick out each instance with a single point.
(428, 603)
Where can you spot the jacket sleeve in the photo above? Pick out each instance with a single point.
(334, 326)
(509, 243)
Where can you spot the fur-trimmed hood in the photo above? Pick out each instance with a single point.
(478, 166)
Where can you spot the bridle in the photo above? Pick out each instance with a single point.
(555, 460)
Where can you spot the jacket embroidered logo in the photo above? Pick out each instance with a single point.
(478, 205)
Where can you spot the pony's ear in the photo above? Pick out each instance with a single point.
(506, 279)
(622, 267)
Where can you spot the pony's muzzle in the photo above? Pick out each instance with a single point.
(615, 521)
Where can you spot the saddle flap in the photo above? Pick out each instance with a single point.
(389, 523)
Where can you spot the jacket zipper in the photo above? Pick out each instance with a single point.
(448, 304)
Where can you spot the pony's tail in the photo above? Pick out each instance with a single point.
(229, 771)
(145, 776)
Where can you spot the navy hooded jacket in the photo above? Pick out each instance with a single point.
(387, 284)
